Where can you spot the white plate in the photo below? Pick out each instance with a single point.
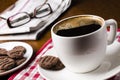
(9, 46)
(109, 67)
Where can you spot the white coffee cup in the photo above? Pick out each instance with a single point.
(83, 53)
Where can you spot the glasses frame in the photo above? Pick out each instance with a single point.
(31, 15)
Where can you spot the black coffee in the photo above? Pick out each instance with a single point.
(77, 31)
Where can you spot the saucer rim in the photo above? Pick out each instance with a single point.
(104, 77)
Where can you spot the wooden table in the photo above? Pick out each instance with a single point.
(104, 8)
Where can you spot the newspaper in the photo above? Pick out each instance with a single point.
(24, 32)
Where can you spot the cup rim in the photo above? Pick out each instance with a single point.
(103, 23)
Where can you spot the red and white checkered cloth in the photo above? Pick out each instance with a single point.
(30, 72)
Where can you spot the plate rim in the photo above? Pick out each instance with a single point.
(21, 65)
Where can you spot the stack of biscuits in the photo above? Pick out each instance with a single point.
(12, 58)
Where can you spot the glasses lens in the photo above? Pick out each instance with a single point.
(43, 11)
(19, 19)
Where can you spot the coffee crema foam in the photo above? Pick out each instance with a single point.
(77, 22)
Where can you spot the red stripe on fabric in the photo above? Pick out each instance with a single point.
(49, 41)
(26, 74)
(13, 76)
(48, 49)
(36, 76)
(32, 67)
(108, 29)
(119, 40)
(118, 29)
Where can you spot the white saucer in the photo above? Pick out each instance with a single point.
(108, 68)
(28, 53)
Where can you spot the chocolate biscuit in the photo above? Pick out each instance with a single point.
(6, 63)
(51, 63)
(3, 52)
(16, 53)
(58, 66)
(21, 48)
(20, 61)
(48, 62)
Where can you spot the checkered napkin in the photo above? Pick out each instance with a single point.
(30, 72)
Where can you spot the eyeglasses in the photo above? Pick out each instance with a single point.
(24, 17)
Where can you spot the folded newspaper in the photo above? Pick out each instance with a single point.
(35, 26)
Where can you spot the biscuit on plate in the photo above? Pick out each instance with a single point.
(20, 61)
(6, 63)
(3, 52)
(16, 53)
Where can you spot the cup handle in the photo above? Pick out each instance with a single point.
(113, 30)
